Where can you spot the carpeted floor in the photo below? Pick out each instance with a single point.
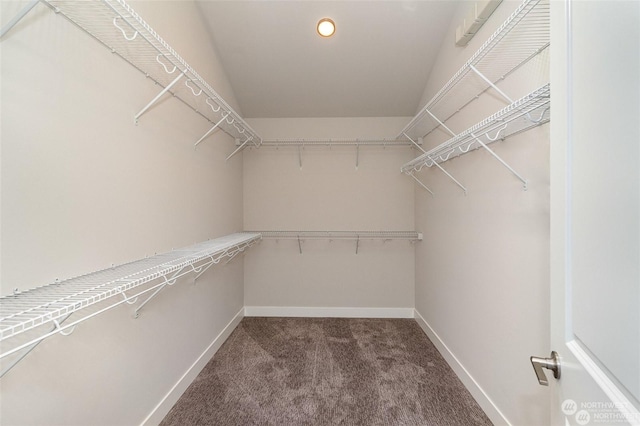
(326, 371)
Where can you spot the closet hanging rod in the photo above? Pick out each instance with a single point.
(341, 235)
(24, 314)
(123, 31)
(519, 39)
(334, 142)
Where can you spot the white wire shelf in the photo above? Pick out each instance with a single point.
(357, 143)
(117, 26)
(356, 236)
(527, 112)
(28, 311)
(334, 142)
(341, 235)
(520, 38)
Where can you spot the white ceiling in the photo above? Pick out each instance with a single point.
(376, 65)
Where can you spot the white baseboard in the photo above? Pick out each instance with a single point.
(492, 411)
(296, 311)
(162, 409)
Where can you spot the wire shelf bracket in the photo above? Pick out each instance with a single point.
(420, 183)
(31, 347)
(215, 126)
(440, 167)
(23, 315)
(14, 21)
(136, 118)
(300, 148)
(239, 148)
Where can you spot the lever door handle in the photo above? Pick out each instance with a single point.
(552, 364)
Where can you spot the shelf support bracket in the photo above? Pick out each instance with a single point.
(415, 143)
(299, 244)
(233, 256)
(490, 83)
(300, 161)
(195, 145)
(440, 122)
(420, 183)
(357, 155)
(25, 10)
(213, 262)
(158, 290)
(504, 163)
(239, 148)
(217, 260)
(434, 161)
(239, 250)
(30, 348)
(504, 95)
(128, 300)
(448, 174)
(57, 326)
(154, 100)
(357, 243)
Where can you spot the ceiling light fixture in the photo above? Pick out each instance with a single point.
(326, 27)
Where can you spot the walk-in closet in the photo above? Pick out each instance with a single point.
(215, 212)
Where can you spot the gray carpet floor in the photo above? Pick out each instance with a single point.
(326, 371)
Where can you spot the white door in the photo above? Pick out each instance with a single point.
(595, 212)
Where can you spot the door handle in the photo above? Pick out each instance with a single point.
(552, 364)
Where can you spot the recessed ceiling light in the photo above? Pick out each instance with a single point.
(326, 27)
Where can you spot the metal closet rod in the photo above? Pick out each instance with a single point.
(336, 142)
(341, 235)
(302, 143)
(356, 236)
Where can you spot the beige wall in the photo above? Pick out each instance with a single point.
(329, 194)
(83, 187)
(482, 272)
